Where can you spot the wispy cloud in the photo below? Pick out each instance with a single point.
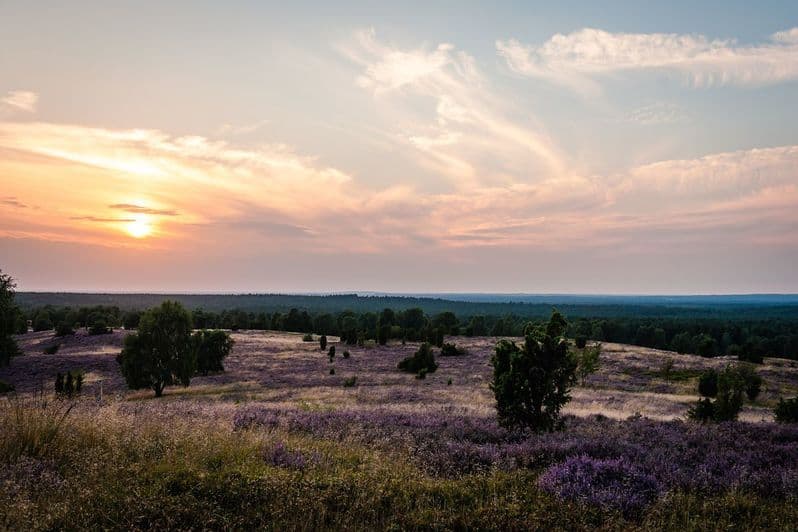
(11, 201)
(138, 209)
(19, 101)
(581, 59)
(657, 114)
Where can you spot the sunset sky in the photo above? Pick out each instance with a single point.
(551, 147)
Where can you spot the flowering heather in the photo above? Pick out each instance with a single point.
(280, 456)
(613, 483)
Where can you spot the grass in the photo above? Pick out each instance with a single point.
(192, 475)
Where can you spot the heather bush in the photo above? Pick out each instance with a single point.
(212, 347)
(424, 359)
(532, 383)
(451, 350)
(51, 349)
(162, 352)
(786, 411)
(608, 483)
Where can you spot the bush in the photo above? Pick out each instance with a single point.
(708, 383)
(99, 327)
(42, 323)
(6, 387)
(331, 353)
(703, 410)
(323, 342)
(131, 320)
(787, 411)
(162, 352)
(64, 329)
(307, 337)
(580, 341)
(532, 383)
(51, 350)
(347, 354)
(588, 362)
(332, 371)
(451, 350)
(753, 382)
(212, 348)
(350, 382)
(424, 358)
(383, 334)
(69, 386)
(422, 373)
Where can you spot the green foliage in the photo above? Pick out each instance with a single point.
(708, 383)
(422, 373)
(383, 334)
(162, 352)
(323, 342)
(753, 382)
(131, 320)
(6, 387)
(52, 349)
(350, 382)
(42, 323)
(99, 327)
(451, 350)
(532, 383)
(703, 410)
(706, 346)
(580, 341)
(588, 360)
(347, 354)
(70, 384)
(64, 329)
(786, 411)
(212, 347)
(424, 359)
(331, 353)
(729, 402)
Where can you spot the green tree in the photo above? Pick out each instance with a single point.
(531, 383)
(162, 352)
(212, 348)
(9, 320)
(423, 359)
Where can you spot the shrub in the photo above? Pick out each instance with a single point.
(332, 371)
(131, 320)
(532, 383)
(383, 333)
(708, 383)
(162, 352)
(70, 384)
(451, 350)
(6, 387)
(422, 373)
(323, 342)
(42, 323)
(212, 348)
(449, 382)
(64, 329)
(99, 327)
(331, 353)
(307, 337)
(753, 382)
(347, 354)
(580, 341)
(615, 483)
(703, 410)
(786, 411)
(424, 358)
(51, 350)
(588, 362)
(350, 382)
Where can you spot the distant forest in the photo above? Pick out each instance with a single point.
(746, 327)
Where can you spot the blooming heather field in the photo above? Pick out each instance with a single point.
(406, 452)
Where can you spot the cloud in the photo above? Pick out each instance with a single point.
(579, 59)
(659, 113)
(19, 101)
(101, 220)
(138, 209)
(12, 202)
(473, 135)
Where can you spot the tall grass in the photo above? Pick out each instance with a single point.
(31, 426)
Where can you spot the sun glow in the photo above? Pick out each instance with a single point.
(140, 227)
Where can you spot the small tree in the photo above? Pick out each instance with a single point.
(9, 320)
(424, 359)
(532, 383)
(708, 383)
(212, 348)
(588, 361)
(323, 342)
(331, 353)
(162, 352)
(727, 387)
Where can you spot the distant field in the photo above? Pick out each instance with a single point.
(276, 441)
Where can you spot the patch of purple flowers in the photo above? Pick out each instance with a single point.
(280, 456)
(612, 483)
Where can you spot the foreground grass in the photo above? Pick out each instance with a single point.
(96, 470)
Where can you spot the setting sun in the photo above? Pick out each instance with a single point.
(139, 228)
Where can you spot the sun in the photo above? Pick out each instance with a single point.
(139, 228)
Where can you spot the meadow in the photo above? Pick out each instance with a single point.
(278, 442)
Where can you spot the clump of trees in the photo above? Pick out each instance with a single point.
(9, 320)
(532, 382)
(99, 327)
(421, 362)
(723, 392)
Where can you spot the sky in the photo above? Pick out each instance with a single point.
(518, 147)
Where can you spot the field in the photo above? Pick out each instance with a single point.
(278, 442)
